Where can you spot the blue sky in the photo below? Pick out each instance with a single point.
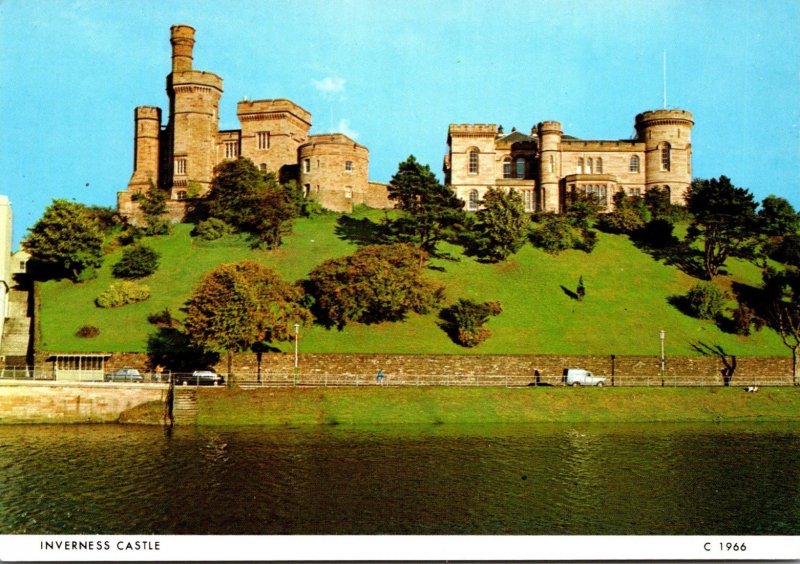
(394, 75)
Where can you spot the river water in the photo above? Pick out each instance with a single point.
(656, 479)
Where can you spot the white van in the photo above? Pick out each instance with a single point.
(581, 377)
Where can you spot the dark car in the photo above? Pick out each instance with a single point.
(124, 375)
(200, 378)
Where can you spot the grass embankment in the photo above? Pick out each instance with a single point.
(437, 405)
(626, 304)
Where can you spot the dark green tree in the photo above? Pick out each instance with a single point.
(464, 321)
(240, 304)
(777, 217)
(559, 232)
(582, 209)
(629, 216)
(724, 218)
(501, 226)
(377, 283)
(430, 212)
(251, 201)
(66, 241)
(153, 204)
(136, 262)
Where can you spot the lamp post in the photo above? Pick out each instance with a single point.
(661, 336)
(296, 334)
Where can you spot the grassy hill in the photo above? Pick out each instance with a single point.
(626, 300)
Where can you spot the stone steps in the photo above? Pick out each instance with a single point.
(184, 406)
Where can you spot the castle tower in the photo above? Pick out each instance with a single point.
(549, 133)
(667, 135)
(334, 170)
(146, 143)
(193, 119)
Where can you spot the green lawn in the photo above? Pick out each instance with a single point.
(626, 300)
(464, 405)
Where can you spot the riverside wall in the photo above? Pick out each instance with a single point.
(72, 402)
(503, 369)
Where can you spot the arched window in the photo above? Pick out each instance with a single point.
(668, 190)
(473, 200)
(580, 166)
(634, 165)
(520, 167)
(665, 156)
(589, 166)
(598, 165)
(473, 161)
(507, 167)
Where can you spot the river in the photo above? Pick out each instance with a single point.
(655, 479)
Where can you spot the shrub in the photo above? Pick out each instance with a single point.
(705, 300)
(377, 283)
(136, 262)
(464, 321)
(161, 318)
(743, 318)
(558, 233)
(211, 229)
(122, 293)
(657, 233)
(87, 332)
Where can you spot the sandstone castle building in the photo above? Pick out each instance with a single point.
(180, 156)
(547, 165)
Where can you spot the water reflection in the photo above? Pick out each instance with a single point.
(548, 479)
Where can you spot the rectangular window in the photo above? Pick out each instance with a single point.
(180, 166)
(348, 192)
(263, 139)
(552, 166)
(306, 165)
(231, 149)
(348, 166)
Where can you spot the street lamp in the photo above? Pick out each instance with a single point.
(296, 334)
(661, 336)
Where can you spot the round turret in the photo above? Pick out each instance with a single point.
(667, 136)
(182, 39)
(549, 133)
(334, 170)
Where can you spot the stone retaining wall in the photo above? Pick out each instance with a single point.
(68, 402)
(625, 370)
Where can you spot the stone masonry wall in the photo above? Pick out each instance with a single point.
(46, 402)
(510, 369)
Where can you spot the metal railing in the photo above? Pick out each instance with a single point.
(246, 379)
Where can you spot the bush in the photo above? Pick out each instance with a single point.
(744, 317)
(558, 233)
(657, 233)
(136, 262)
(161, 318)
(211, 229)
(705, 301)
(377, 283)
(122, 293)
(464, 321)
(87, 332)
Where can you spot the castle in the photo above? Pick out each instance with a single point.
(180, 157)
(547, 165)
(544, 167)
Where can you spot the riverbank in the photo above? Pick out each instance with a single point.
(462, 405)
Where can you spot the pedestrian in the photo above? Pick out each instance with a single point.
(379, 377)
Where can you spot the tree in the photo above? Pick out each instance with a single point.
(377, 283)
(238, 305)
(725, 218)
(136, 262)
(705, 300)
(558, 232)
(464, 321)
(429, 211)
(501, 226)
(777, 217)
(629, 216)
(782, 305)
(66, 241)
(251, 201)
(153, 204)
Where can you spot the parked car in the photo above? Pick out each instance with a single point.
(124, 375)
(200, 378)
(581, 377)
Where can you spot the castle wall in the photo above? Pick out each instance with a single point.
(326, 175)
(272, 132)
